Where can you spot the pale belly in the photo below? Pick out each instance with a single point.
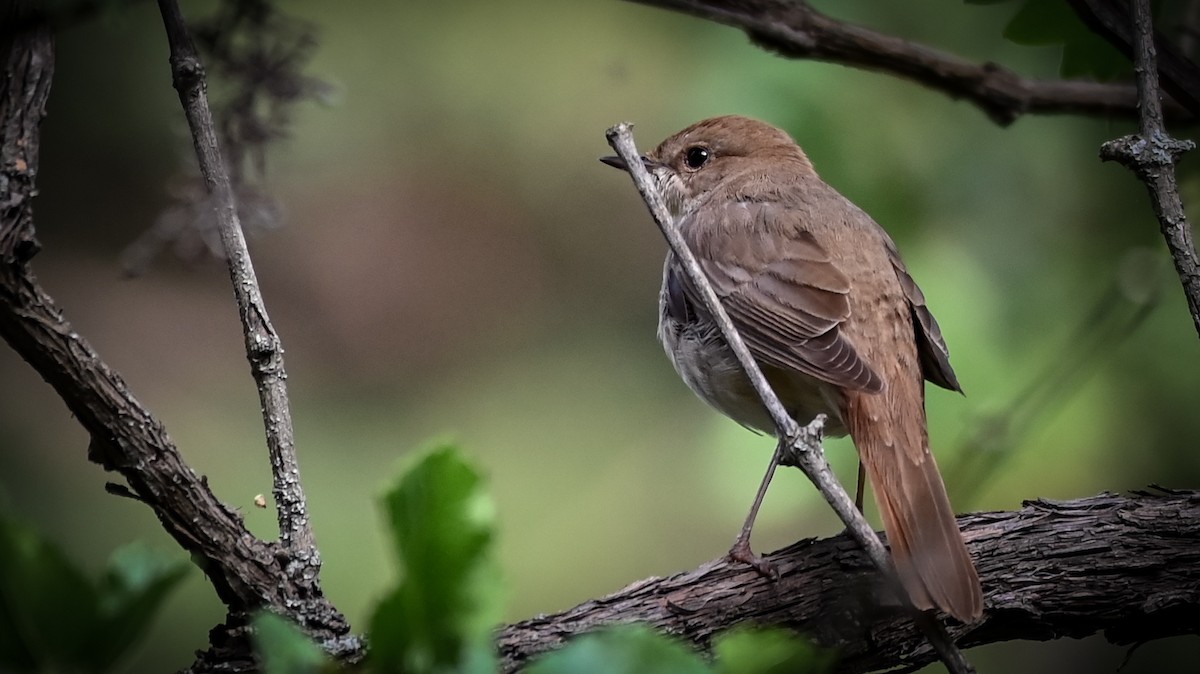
(708, 367)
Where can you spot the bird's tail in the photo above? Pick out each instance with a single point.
(933, 563)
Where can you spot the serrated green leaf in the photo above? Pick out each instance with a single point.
(769, 651)
(441, 615)
(284, 649)
(50, 605)
(626, 649)
(135, 585)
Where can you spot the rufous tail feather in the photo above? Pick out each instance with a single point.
(927, 547)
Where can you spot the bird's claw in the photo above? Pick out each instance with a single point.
(741, 552)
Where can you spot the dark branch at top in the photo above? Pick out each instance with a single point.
(796, 30)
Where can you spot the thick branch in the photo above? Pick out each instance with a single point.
(1152, 155)
(1128, 567)
(794, 29)
(246, 572)
(263, 347)
(800, 447)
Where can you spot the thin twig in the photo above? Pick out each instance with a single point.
(795, 30)
(126, 439)
(263, 347)
(802, 445)
(1152, 155)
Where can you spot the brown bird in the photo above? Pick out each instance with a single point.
(819, 294)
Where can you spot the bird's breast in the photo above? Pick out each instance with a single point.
(711, 370)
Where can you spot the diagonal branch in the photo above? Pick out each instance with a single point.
(1152, 155)
(802, 445)
(263, 347)
(1124, 566)
(792, 28)
(246, 572)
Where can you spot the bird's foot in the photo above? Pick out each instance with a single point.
(741, 552)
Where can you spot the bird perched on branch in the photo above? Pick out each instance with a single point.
(819, 294)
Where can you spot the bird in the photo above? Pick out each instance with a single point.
(827, 308)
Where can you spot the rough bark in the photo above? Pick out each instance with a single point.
(1153, 154)
(247, 573)
(794, 29)
(1127, 566)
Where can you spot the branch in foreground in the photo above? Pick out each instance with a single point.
(1124, 566)
(263, 347)
(125, 438)
(1152, 155)
(796, 30)
(800, 447)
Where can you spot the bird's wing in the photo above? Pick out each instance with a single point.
(935, 356)
(783, 292)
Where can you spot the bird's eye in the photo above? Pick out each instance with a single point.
(696, 156)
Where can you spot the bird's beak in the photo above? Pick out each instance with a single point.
(618, 163)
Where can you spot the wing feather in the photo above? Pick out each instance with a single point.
(786, 296)
(934, 354)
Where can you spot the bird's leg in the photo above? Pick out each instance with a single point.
(862, 481)
(741, 551)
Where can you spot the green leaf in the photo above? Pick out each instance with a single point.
(49, 605)
(984, 2)
(284, 649)
(1041, 22)
(626, 649)
(135, 585)
(441, 615)
(1085, 54)
(773, 651)
(53, 617)
(1089, 55)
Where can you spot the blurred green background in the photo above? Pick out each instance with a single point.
(456, 264)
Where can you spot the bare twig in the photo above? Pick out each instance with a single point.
(1152, 155)
(802, 444)
(263, 347)
(794, 29)
(247, 573)
(1050, 570)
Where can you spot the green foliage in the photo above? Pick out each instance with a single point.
(769, 651)
(1085, 54)
(439, 618)
(284, 649)
(627, 649)
(441, 615)
(53, 617)
(636, 649)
